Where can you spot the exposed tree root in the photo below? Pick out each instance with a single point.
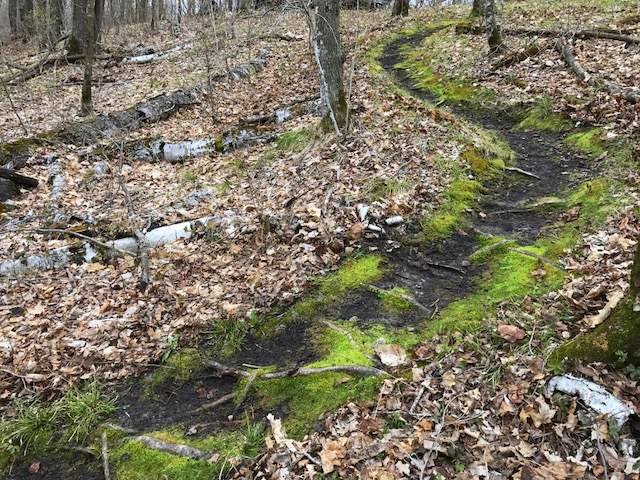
(216, 403)
(359, 370)
(172, 448)
(105, 457)
(578, 70)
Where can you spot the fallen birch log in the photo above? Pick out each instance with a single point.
(151, 110)
(63, 256)
(156, 56)
(578, 70)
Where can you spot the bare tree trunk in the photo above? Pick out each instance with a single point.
(154, 14)
(476, 8)
(324, 18)
(400, 7)
(78, 39)
(13, 18)
(27, 20)
(86, 102)
(56, 25)
(494, 32)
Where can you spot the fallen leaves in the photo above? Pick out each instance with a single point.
(511, 333)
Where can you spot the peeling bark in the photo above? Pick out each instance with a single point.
(172, 448)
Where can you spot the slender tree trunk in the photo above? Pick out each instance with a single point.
(154, 14)
(27, 20)
(13, 18)
(494, 32)
(56, 26)
(78, 39)
(325, 29)
(86, 102)
(400, 7)
(476, 8)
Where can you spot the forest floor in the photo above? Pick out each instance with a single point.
(474, 227)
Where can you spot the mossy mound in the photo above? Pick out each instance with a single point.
(616, 341)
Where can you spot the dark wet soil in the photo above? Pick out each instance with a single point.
(437, 274)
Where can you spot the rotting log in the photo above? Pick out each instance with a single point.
(22, 180)
(151, 110)
(156, 56)
(532, 50)
(358, 370)
(578, 70)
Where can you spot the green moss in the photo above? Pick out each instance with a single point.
(475, 160)
(510, 276)
(306, 398)
(295, 141)
(616, 341)
(179, 367)
(588, 142)
(444, 89)
(352, 274)
(396, 299)
(459, 199)
(134, 461)
(542, 117)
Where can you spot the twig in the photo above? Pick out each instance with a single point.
(488, 248)
(445, 266)
(247, 388)
(406, 298)
(13, 107)
(105, 457)
(551, 263)
(84, 237)
(216, 403)
(523, 172)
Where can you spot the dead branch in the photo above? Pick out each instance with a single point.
(540, 258)
(578, 70)
(105, 457)
(216, 403)
(18, 179)
(406, 298)
(603, 34)
(172, 448)
(87, 238)
(522, 172)
(245, 391)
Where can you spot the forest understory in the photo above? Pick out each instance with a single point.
(197, 282)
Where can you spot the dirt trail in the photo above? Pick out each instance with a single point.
(412, 267)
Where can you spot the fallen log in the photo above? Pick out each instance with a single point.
(520, 56)
(578, 70)
(603, 34)
(84, 253)
(156, 56)
(151, 110)
(22, 180)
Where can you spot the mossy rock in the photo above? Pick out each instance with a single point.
(589, 141)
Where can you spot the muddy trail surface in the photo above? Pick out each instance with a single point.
(435, 273)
